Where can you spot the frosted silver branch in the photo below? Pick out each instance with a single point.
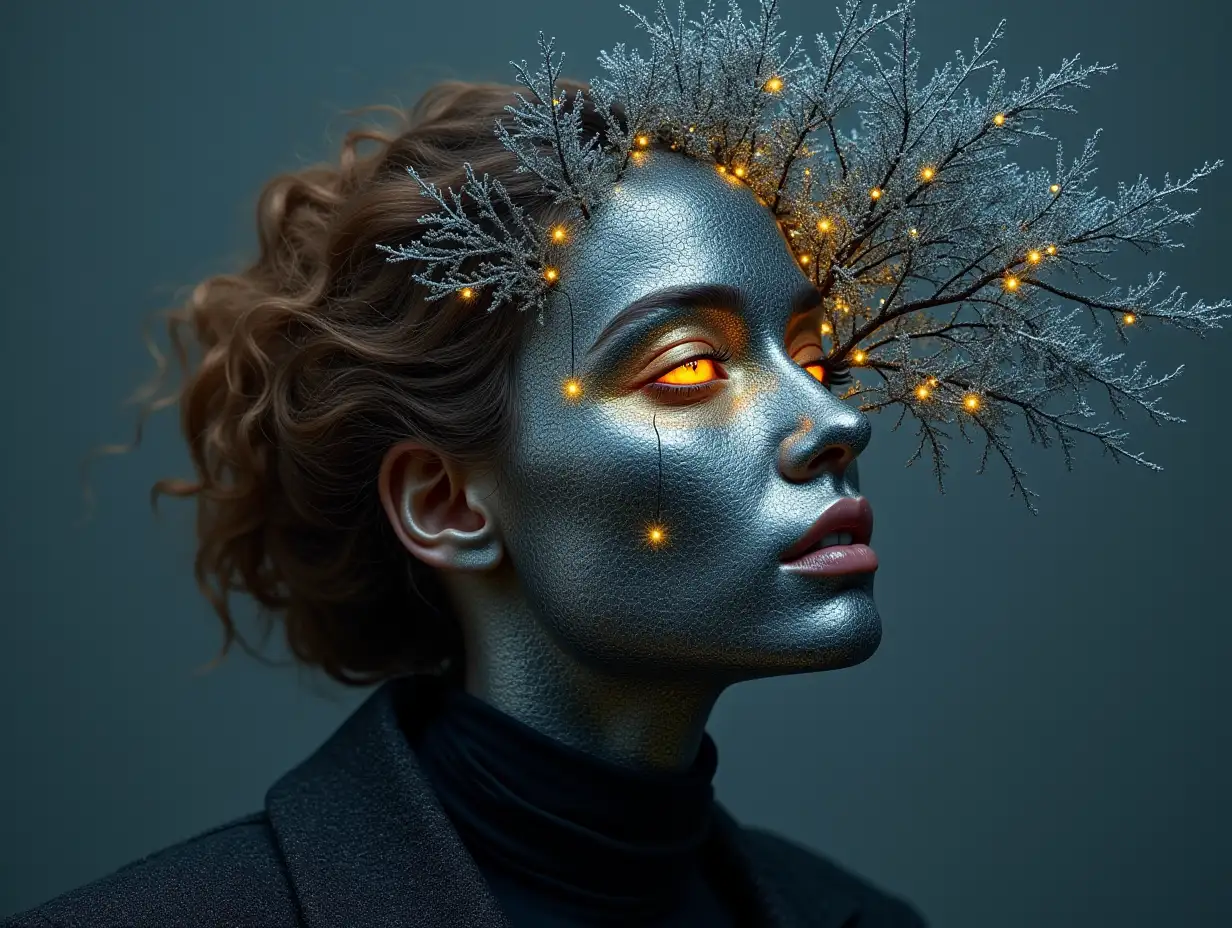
(547, 139)
(970, 292)
(493, 245)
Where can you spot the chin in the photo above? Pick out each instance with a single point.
(841, 631)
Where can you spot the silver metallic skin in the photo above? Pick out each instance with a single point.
(585, 630)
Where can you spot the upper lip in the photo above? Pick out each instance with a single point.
(850, 514)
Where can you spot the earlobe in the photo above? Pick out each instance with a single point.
(437, 510)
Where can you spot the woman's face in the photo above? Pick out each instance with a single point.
(692, 320)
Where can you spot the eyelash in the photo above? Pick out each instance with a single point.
(678, 390)
(840, 376)
(836, 377)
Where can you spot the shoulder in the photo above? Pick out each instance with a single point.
(229, 875)
(804, 871)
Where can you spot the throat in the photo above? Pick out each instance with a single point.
(636, 720)
(588, 832)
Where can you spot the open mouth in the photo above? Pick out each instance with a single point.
(837, 543)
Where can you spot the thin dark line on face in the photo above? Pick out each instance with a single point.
(572, 353)
(659, 489)
(671, 300)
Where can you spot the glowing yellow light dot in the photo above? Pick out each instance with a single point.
(914, 233)
(1011, 282)
(826, 328)
(804, 259)
(1129, 318)
(572, 388)
(927, 173)
(932, 381)
(656, 535)
(1034, 257)
(999, 119)
(1055, 188)
(692, 128)
(555, 101)
(774, 85)
(858, 356)
(823, 225)
(721, 169)
(875, 193)
(921, 392)
(558, 234)
(808, 171)
(551, 274)
(1051, 249)
(739, 172)
(971, 402)
(643, 141)
(466, 293)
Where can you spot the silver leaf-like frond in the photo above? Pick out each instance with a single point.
(547, 138)
(492, 245)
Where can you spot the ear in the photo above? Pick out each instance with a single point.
(438, 511)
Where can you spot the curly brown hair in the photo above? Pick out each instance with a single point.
(311, 362)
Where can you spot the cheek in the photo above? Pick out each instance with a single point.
(577, 482)
(581, 491)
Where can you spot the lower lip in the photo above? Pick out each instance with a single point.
(836, 561)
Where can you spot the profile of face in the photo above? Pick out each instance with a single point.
(646, 515)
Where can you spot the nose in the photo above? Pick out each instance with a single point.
(825, 441)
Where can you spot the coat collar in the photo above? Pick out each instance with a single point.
(366, 843)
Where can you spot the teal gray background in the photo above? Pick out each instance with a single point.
(1041, 740)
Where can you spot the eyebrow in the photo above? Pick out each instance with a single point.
(694, 296)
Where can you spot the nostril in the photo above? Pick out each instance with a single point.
(832, 458)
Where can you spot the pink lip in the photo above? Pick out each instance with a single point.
(851, 514)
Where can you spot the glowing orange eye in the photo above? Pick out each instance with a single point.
(817, 370)
(698, 370)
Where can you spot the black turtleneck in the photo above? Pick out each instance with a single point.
(564, 838)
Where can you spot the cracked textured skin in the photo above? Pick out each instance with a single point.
(354, 837)
(582, 630)
(592, 626)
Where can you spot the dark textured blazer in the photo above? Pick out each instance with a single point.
(354, 838)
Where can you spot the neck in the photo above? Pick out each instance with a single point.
(639, 721)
